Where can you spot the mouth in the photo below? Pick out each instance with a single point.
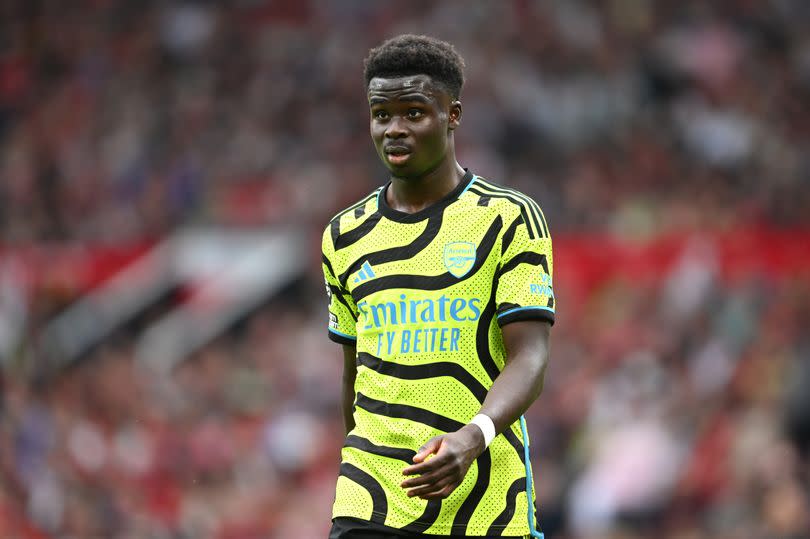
(397, 155)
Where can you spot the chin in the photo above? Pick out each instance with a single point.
(403, 173)
(400, 171)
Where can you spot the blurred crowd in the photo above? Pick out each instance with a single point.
(672, 415)
(127, 118)
(675, 407)
(663, 416)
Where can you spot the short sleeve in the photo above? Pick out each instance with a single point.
(342, 309)
(525, 290)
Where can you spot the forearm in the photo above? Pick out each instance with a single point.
(347, 402)
(511, 394)
(515, 389)
(521, 380)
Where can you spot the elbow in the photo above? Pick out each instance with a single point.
(538, 381)
(349, 378)
(539, 364)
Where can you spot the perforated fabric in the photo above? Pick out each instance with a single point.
(423, 297)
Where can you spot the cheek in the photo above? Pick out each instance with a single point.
(376, 132)
(436, 135)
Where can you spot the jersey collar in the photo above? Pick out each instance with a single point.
(433, 209)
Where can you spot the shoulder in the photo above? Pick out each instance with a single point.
(351, 217)
(511, 204)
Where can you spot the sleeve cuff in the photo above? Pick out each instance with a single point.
(516, 314)
(341, 338)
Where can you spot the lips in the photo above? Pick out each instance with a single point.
(397, 150)
(397, 155)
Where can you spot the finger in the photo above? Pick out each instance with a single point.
(425, 479)
(431, 465)
(425, 494)
(440, 494)
(431, 446)
(433, 490)
(430, 457)
(421, 469)
(443, 476)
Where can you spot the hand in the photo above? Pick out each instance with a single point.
(452, 456)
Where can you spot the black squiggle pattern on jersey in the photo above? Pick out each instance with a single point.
(509, 235)
(482, 334)
(500, 522)
(339, 293)
(399, 453)
(378, 499)
(356, 234)
(334, 224)
(440, 422)
(404, 252)
(472, 500)
(540, 220)
(534, 259)
(522, 205)
(405, 411)
(431, 282)
(427, 518)
(423, 371)
(513, 440)
(433, 507)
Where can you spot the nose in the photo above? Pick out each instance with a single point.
(395, 129)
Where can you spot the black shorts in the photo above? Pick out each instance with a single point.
(352, 528)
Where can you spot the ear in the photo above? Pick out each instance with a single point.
(454, 118)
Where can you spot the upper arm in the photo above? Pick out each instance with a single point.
(527, 338)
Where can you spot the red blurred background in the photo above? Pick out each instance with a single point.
(166, 169)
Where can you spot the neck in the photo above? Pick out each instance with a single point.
(410, 195)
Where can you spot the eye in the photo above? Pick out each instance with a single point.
(380, 114)
(414, 114)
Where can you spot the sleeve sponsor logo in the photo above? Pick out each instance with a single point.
(544, 288)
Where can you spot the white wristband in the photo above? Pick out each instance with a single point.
(487, 427)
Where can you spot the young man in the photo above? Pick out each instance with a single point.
(440, 293)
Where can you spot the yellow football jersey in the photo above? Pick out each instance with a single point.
(423, 297)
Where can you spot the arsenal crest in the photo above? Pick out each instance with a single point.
(459, 257)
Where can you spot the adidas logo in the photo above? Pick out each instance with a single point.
(365, 273)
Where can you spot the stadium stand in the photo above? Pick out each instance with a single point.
(667, 143)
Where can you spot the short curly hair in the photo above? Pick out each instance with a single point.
(410, 54)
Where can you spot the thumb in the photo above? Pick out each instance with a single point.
(430, 448)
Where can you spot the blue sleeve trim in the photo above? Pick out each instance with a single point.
(517, 309)
(532, 312)
(342, 338)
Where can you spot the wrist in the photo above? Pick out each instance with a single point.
(486, 426)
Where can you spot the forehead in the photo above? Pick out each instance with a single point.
(399, 86)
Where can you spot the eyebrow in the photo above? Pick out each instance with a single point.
(415, 97)
(375, 100)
